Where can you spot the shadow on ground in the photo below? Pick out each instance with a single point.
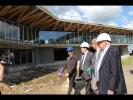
(27, 75)
(131, 71)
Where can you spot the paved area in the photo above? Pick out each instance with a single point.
(128, 74)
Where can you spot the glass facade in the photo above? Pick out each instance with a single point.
(122, 39)
(15, 33)
(18, 33)
(56, 37)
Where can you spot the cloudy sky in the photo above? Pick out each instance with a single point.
(121, 16)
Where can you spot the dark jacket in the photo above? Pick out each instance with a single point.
(111, 74)
(70, 65)
(87, 63)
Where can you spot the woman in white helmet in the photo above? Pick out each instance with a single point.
(108, 71)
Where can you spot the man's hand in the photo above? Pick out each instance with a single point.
(109, 92)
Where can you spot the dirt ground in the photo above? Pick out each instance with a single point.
(33, 82)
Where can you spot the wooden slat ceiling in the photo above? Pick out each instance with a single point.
(35, 17)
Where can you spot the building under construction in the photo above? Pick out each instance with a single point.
(36, 36)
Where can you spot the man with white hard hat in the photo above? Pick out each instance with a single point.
(108, 71)
(85, 62)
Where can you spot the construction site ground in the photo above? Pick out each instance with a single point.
(45, 81)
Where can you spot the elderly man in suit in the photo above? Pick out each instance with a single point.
(94, 63)
(85, 63)
(108, 72)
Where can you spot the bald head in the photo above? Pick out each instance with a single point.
(94, 43)
(94, 40)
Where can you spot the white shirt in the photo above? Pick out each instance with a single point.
(97, 51)
(100, 61)
(84, 59)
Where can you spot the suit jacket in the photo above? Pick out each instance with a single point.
(87, 63)
(111, 74)
(70, 65)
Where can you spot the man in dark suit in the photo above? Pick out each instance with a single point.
(109, 73)
(85, 62)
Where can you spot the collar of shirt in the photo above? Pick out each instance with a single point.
(86, 52)
(83, 59)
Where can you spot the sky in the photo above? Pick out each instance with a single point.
(120, 16)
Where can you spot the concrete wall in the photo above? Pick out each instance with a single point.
(46, 55)
(43, 55)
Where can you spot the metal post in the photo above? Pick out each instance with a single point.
(27, 36)
(23, 34)
(5, 30)
(31, 35)
(12, 32)
(35, 36)
(18, 33)
(20, 57)
(26, 56)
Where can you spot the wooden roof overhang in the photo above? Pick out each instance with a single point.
(43, 20)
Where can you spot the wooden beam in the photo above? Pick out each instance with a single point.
(68, 26)
(117, 31)
(27, 16)
(94, 28)
(4, 10)
(47, 22)
(65, 23)
(40, 21)
(126, 32)
(82, 27)
(43, 25)
(37, 18)
(86, 28)
(22, 13)
(103, 29)
(33, 18)
(51, 24)
(58, 22)
(59, 27)
(108, 30)
(78, 27)
(16, 9)
(98, 29)
(112, 31)
(120, 31)
(74, 27)
(15, 13)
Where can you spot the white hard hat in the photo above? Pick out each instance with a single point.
(84, 44)
(103, 36)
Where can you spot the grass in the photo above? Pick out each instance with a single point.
(127, 61)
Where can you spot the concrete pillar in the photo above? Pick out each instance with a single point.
(43, 55)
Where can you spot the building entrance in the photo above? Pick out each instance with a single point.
(60, 54)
